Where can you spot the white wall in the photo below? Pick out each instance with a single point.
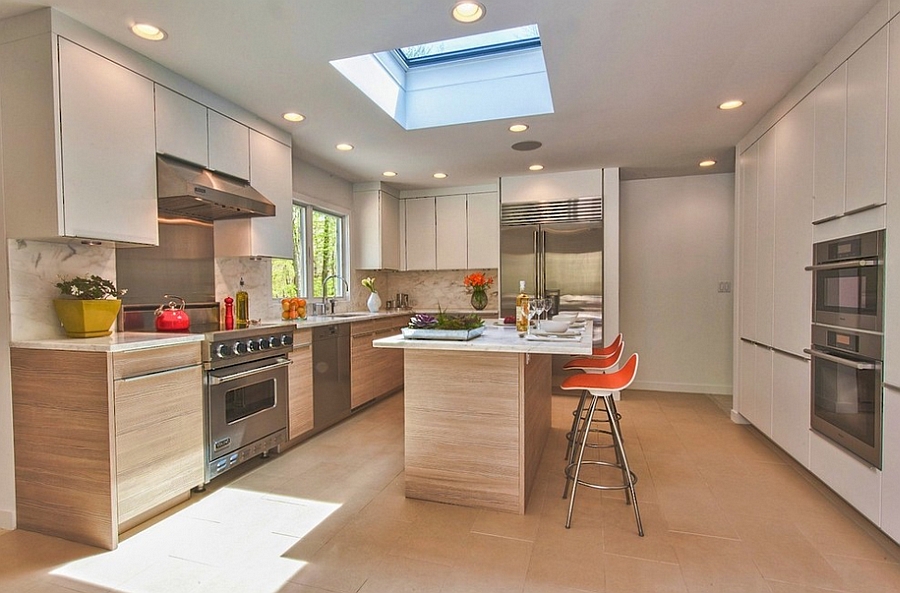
(676, 247)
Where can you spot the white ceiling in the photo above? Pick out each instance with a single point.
(635, 83)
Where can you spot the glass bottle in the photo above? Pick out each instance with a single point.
(522, 309)
(242, 308)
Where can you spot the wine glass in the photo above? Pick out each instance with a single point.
(536, 307)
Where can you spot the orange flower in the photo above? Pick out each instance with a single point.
(477, 280)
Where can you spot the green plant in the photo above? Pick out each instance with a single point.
(369, 283)
(88, 288)
(445, 321)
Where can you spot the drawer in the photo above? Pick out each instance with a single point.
(154, 360)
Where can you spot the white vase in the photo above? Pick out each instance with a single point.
(374, 302)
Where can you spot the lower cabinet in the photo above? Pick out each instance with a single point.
(122, 441)
(756, 385)
(890, 471)
(374, 371)
(791, 405)
(300, 379)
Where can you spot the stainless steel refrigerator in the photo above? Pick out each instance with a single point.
(557, 249)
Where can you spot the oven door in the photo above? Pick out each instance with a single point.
(846, 402)
(848, 294)
(245, 403)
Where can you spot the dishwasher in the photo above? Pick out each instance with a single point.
(331, 374)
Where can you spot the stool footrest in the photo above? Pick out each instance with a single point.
(570, 474)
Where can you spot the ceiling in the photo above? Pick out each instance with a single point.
(635, 84)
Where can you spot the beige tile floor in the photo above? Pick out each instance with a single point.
(723, 510)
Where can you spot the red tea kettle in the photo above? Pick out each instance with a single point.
(171, 316)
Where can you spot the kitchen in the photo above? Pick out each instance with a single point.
(312, 181)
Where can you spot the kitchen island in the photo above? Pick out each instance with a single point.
(477, 415)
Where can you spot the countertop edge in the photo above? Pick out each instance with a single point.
(115, 342)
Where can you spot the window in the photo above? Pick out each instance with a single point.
(319, 248)
(483, 44)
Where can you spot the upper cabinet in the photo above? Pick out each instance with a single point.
(376, 232)
(749, 167)
(420, 234)
(451, 233)
(78, 142)
(269, 236)
(483, 230)
(188, 130)
(830, 99)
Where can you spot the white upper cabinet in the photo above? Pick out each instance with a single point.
(263, 236)
(866, 124)
(765, 241)
(830, 99)
(189, 131)
(450, 234)
(78, 143)
(229, 145)
(749, 166)
(892, 236)
(793, 228)
(181, 129)
(376, 230)
(483, 230)
(420, 234)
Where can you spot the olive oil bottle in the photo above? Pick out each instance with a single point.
(522, 309)
(242, 307)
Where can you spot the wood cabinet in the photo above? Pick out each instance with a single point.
(830, 99)
(121, 442)
(376, 230)
(483, 230)
(421, 229)
(374, 371)
(77, 135)
(451, 237)
(270, 236)
(300, 395)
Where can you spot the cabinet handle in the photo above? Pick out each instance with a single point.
(859, 366)
(856, 263)
(282, 362)
(155, 373)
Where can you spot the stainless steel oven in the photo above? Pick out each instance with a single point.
(848, 282)
(846, 393)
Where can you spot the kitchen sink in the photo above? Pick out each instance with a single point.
(346, 315)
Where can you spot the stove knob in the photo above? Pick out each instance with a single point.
(274, 342)
(263, 343)
(287, 339)
(252, 345)
(222, 351)
(239, 348)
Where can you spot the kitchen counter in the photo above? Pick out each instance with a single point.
(115, 342)
(320, 320)
(477, 415)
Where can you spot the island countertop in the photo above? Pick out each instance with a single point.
(499, 339)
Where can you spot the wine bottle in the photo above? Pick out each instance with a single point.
(522, 309)
(242, 307)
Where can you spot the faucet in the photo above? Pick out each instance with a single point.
(325, 281)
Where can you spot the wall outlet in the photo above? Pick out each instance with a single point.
(724, 286)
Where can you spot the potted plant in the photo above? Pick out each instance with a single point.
(477, 283)
(87, 306)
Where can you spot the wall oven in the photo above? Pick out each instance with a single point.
(847, 343)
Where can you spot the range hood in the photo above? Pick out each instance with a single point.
(191, 191)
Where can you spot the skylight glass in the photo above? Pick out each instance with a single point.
(470, 46)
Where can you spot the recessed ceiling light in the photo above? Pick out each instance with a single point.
(707, 163)
(731, 104)
(518, 128)
(440, 175)
(535, 167)
(527, 145)
(292, 116)
(389, 174)
(468, 11)
(344, 147)
(148, 31)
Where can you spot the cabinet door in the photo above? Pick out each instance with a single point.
(450, 233)
(749, 164)
(300, 398)
(376, 232)
(893, 136)
(830, 99)
(420, 234)
(483, 230)
(890, 471)
(362, 364)
(793, 229)
(180, 127)
(390, 231)
(108, 142)
(765, 238)
(756, 387)
(159, 438)
(229, 145)
(790, 405)
(866, 123)
(892, 234)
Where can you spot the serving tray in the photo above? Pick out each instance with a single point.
(441, 334)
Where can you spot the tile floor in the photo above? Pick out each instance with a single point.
(723, 510)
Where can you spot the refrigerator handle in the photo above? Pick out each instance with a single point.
(537, 260)
(540, 285)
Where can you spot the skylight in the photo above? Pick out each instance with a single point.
(482, 44)
(482, 77)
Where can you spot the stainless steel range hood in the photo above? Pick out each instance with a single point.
(194, 192)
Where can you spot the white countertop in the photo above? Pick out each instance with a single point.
(319, 320)
(498, 339)
(115, 342)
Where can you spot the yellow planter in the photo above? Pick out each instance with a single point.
(87, 319)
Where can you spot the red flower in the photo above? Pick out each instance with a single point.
(477, 280)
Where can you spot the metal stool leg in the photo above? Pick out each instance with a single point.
(626, 470)
(586, 424)
(576, 416)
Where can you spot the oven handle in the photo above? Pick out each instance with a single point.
(282, 362)
(859, 366)
(856, 263)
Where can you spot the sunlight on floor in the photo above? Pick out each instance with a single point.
(231, 540)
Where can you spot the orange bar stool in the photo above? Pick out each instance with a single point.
(591, 365)
(609, 350)
(603, 387)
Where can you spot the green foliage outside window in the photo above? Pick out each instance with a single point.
(289, 276)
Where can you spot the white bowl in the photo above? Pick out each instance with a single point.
(565, 317)
(554, 326)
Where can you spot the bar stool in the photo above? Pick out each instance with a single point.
(610, 349)
(603, 387)
(591, 365)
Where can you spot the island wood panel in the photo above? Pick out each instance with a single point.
(63, 432)
(300, 383)
(462, 428)
(159, 439)
(536, 371)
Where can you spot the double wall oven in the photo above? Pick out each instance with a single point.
(847, 343)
